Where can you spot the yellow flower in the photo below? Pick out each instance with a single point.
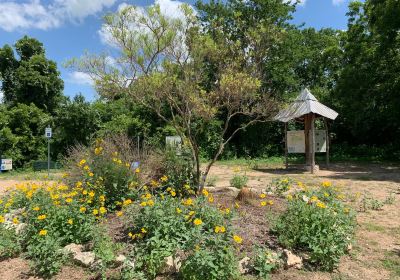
(263, 195)
(86, 167)
(36, 208)
(68, 200)
(143, 230)
(197, 222)
(84, 192)
(210, 199)
(346, 210)
(98, 150)
(91, 174)
(41, 217)
(313, 198)
(173, 193)
(237, 205)
(227, 211)
(137, 170)
(178, 210)
(326, 184)
(148, 195)
(143, 204)
(289, 197)
(95, 212)
(78, 184)
(82, 209)
(102, 198)
(127, 202)
(103, 210)
(237, 239)
(120, 213)
(2, 219)
(150, 202)
(91, 194)
(187, 202)
(70, 221)
(15, 221)
(205, 193)
(82, 162)
(263, 203)
(186, 186)
(191, 213)
(130, 234)
(321, 204)
(270, 202)
(219, 229)
(326, 194)
(43, 232)
(164, 178)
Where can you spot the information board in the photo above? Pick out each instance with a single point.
(48, 132)
(296, 141)
(6, 164)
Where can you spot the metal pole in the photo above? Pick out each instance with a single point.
(48, 157)
(286, 148)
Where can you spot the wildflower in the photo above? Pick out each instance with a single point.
(82, 162)
(150, 202)
(173, 193)
(263, 203)
(95, 212)
(227, 211)
(341, 196)
(187, 202)
(103, 210)
(78, 184)
(2, 219)
(197, 222)
(137, 170)
(98, 150)
(346, 210)
(91, 194)
(191, 213)
(86, 167)
(127, 202)
(148, 195)
(91, 174)
(210, 199)
(68, 200)
(326, 184)
(237, 239)
(70, 221)
(15, 221)
(270, 202)
(84, 192)
(82, 209)
(326, 194)
(205, 193)
(237, 205)
(143, 230)
(313, 198)
(36, 208)
(178, 210)
(102, 198)
(120, 213)
(41, 217)
(321, 204)
(263, 195)
(131, 235)
(127, 164)
(164, 178)
(65, 175)
(186, 187)
(219, 229)
(143, 204)
(43, 232)
(289, 197)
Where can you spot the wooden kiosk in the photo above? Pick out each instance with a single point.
(306, 109)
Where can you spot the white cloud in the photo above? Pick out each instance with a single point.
(337, 2)
(27, 14)
(80, 78)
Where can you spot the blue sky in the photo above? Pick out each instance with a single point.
(68, 28)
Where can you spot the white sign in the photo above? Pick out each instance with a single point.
(48, 132)
(6, 164)
(296, 141)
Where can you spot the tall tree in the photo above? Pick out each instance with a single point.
(31, 79)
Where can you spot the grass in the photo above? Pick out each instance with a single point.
(29, 174)
(373, 227)
(392, 263)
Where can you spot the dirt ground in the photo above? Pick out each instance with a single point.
(376, 254)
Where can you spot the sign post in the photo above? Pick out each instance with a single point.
(48, 134)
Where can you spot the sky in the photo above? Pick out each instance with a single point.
(69, 28)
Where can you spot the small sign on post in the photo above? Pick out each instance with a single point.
(6, 164)
(48, 134)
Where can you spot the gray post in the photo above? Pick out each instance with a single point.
(286, 148)
(48, 157)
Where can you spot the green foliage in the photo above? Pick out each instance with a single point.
(265, 261)
(280, 186)
(9, 243)
(163, 225)
(320, 224)
(239, 181)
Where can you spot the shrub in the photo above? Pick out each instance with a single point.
(9, 243)
(265, 261)
(239, 181)
(280, 186)
(163, 225)
(105, 167)
(319, 223)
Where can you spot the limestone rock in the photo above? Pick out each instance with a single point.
(85, 259)
(172, 264)
(244, 265)
(73, 249)
(20, 228)
(292, 260)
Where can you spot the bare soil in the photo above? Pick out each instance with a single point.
(377, 235)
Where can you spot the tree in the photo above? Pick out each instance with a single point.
(32, 79)
(161, 67)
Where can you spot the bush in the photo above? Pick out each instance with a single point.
(9, 243)
(239, 181)
(105, 168)
(265, 261)
(319, 223)
(280, 186)
(163, 225)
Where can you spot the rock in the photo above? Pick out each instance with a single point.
(120, 260)
(96, 265)
(73, 249)
(244, 265)
(85, 259)
(292, 260)
(210, 189)
(172, 265)
(19, 229)
(233, 191)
